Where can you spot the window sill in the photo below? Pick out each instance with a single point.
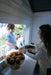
(2, 61)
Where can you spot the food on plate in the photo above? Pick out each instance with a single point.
(22, 57)
(12, 61)
(15, 59)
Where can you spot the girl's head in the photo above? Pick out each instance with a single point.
(11, 28)
(43, 29)
(45, 35)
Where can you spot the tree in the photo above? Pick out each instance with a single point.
(19, 30)
(21, 27)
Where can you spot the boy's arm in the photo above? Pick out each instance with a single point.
(9, 44)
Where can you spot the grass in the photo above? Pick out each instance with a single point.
(2, 42)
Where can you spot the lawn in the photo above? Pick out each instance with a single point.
(2, 42)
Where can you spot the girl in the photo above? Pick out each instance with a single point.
(43, 50)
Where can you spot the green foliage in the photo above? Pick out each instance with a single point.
(21, 27)
(19, 30)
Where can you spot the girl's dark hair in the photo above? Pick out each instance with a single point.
(46, 35)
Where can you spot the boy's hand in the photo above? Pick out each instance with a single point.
(16, 47)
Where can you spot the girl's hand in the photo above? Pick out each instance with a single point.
(30, 50)
(24, 51)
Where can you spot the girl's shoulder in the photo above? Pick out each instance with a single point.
(42, 47)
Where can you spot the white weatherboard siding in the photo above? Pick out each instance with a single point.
(39, 18)
(15, 11)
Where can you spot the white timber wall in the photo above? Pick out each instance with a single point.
(15, 11)
(28, 34)
(39, 18)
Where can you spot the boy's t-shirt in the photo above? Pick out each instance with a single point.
(12, 40)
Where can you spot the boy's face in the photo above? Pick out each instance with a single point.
(11, 30)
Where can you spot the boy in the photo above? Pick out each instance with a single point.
(11, 38)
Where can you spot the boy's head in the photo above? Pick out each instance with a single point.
(11, 28)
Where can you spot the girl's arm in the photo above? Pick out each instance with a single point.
(36, 56)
